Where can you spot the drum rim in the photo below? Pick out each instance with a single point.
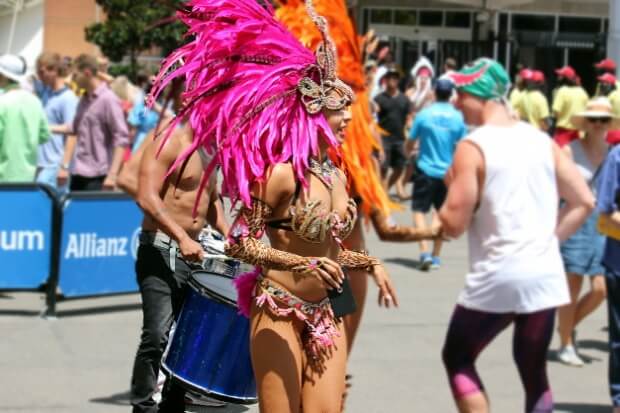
(201, 289)
(209, 393)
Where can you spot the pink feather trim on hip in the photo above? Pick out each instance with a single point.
(246, 285)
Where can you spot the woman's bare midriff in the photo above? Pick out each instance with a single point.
(307, 287)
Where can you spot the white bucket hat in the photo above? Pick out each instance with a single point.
(595, 109)
(13, 67)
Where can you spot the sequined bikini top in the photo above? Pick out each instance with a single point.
(313, 222)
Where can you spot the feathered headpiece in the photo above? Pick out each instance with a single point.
(253, 93)
(359, 142)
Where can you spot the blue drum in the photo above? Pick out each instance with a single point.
(209, 352)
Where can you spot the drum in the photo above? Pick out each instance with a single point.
(210, 350)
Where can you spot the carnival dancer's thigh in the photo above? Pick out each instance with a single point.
(324, 379)
(277, 360)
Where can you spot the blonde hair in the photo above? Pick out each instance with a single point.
(124, 89)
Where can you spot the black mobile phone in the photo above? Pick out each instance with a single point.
(343, 302)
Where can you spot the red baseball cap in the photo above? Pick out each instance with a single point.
(526, 74)
(567, 72)
(538, 76)
(607, 78)
(606, 64)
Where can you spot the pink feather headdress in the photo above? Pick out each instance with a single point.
(253, 93)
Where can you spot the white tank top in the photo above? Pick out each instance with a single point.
(515, 262)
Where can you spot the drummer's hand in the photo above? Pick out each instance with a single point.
(191, 250)
(387, 292)
(328, 271)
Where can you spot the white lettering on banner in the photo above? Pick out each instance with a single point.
(21, 240)
(89, 245)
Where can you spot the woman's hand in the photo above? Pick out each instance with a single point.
(387, 292)
(328, 271)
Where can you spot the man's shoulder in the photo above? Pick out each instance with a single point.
(614, 154)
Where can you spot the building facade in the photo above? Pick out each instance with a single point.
(544, 34)
(33, 26)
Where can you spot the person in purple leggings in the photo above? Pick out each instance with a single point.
(504, 187)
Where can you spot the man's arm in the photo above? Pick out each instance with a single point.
(573, 189)
(463, 181)
(63, 172)
(609, 184)
(127, 180)
(216, 216)
(120, 140)
(152, 173)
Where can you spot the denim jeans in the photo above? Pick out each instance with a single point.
(163, 292)
(613, 314)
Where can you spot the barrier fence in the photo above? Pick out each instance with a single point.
(83, 244)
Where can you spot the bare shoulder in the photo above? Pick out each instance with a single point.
(278, 185)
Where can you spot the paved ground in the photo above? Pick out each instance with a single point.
(81, 362)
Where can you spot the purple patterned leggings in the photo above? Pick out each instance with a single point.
(470, 331)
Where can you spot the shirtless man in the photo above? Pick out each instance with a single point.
(168, 253)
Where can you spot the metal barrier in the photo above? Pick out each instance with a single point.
(29, 227)
(81, 245)
(97, 246)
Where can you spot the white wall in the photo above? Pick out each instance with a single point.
(28, 37)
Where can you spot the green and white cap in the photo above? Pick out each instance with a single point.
(484, 78)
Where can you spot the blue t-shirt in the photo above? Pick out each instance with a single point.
(143, 119)
(439, 128)
(60, 107)
(607, 190)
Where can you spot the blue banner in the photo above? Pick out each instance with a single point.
(25, 236)
(99, 241)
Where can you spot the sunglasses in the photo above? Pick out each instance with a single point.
(599, 120)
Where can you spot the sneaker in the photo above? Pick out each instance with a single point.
(436, 263)
(426, 261)
(568, 355)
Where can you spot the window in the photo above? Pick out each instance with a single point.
(579, 25)
(381, 16)
(528, 22)
(606, 26)
(405, 17)
(458, 19)
(431, 18)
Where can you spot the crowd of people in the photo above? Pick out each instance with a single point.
(299, 139)
(71, 125)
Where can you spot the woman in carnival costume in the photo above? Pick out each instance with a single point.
(269, 110)
(357, 147)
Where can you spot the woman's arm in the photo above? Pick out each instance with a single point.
(573, 189)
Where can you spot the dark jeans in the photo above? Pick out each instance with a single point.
(613, 314)
(85, 183)
(163, 292)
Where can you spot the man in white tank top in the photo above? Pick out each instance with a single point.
(504, 187)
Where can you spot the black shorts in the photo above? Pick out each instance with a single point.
(394, 153)
(428, 192)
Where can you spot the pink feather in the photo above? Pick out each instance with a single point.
(241, 72)
(245, 285)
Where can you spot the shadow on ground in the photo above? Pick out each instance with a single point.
(405, 262)
(75, 312)
(593, 345)
(118, 399)
(581, 408)
(122, 399)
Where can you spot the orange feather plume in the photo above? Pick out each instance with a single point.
(359, 142)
